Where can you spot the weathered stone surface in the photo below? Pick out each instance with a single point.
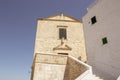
(56, 67)
(47, 36)
(51, 59)
(73, 69)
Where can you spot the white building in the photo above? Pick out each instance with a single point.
(102, 35)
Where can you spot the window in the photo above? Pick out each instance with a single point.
(104, 40)
(62, 33)
(93, 20)
(63, 53)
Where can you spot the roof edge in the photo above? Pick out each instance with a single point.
(46, 18)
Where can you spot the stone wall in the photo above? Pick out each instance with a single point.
(56, 67)
(49, 67)
(73, 69)
(47, 36)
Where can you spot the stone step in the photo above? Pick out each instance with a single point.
(92, 77)
(96, 77)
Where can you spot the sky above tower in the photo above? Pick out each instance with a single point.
(18, 21)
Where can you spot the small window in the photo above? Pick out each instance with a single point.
(93, 20)
(104, 40)
(63, 53)
(62, 33)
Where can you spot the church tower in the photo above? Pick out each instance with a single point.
(59, 35)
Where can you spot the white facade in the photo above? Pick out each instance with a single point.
(103, 55)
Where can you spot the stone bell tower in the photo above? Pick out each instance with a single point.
(59, 35)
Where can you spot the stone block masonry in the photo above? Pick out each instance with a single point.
(56, 67)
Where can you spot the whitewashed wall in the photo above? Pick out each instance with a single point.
(105, 59)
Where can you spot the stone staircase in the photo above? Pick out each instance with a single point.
(60, 67)
(93, 77)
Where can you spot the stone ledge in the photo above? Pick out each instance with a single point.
(50, 59)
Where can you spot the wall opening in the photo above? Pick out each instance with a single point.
(62, 33)
(104, 40)
(63, 53)
(93, 20)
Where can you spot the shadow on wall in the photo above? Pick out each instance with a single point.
(73, 69)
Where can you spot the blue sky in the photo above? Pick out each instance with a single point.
(18, 20)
